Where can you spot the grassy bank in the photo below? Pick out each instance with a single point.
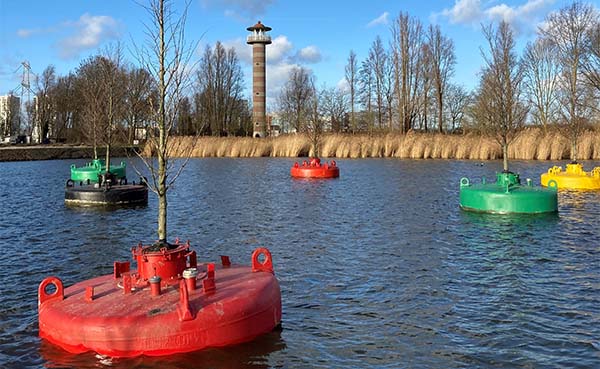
(58, 151)
(530, 144)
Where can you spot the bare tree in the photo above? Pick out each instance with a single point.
(591, 65)
(567, 30)
(295, 98)
(333, 104)
(185, 116)
(376, 62)
(101, 82)
(89, 87)
(407, 40)
(498, 108)
(458, 100)
(166, 57)
(66, 107)
(314, 122)
(443, 60)
(44, 104)
(426, 84)
(113, 84)
(541, 70)
(351, 75)
(367, 90)
(220, 88)
(139, 94)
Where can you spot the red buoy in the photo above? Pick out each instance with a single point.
(314, 169)
(169, 305)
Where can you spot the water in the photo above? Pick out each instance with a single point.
(378, 268)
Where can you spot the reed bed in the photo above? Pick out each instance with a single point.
(529, 144)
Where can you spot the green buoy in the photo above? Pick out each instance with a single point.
(93, 169)
(507, 195)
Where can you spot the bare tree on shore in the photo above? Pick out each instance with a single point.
(220, 88)
(591, 65)
(333, 104)
(426, 86)
(442, 61)
(351, 75)
(89, 88)
(367, 90)
(458, 99)
(66, 107)
(407, 40)
(314, 122)
(113, 85)
(139, 94)
(295, 98)
(377, 61)
(43, 107)
(567, 30)
(541, 70)
(166, 56)
(498, 108)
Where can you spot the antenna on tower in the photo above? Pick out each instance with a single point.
(25, 77)
(25, 89)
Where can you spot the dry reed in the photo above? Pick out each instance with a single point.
(529, 144)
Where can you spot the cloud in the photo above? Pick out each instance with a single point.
(279, 49)
(88, 32)
(241, 9)
(309, 54)
(29, 32)
(381, 20)
(343, 85)
(521, 17)
(464, 12)
(24, 33)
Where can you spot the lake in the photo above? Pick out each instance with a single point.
(378, 268)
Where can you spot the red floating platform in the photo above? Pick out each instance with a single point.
(169, 305)
(314, 169)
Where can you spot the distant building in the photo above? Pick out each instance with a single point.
(10, 107)
(272, 129)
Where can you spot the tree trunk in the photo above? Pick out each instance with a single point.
(108, 157)
(440, 112)
(505, 156)
(162, 140)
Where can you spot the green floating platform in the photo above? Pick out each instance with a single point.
(507, 195)
(91, 171)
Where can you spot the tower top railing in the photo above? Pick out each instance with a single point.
(258, 38)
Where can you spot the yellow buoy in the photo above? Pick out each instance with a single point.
(574, 177)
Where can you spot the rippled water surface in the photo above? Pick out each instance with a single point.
(379, 268)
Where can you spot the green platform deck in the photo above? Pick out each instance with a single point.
(507, 195)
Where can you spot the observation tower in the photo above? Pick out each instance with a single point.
(259, 39)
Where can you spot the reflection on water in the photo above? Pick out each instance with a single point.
(379, 268)
(251, 355)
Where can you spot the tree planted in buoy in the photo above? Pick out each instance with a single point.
(500, 113)
(171, 303)
(498, 110)
(166, 57)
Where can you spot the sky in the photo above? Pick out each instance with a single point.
(317, 35)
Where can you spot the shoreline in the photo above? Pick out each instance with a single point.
(529, 144)
(10, 153)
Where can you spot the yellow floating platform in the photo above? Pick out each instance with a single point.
(574, 177)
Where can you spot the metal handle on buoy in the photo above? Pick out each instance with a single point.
(266, 265)
(553, 184)
(43, 296)
(464, 181)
